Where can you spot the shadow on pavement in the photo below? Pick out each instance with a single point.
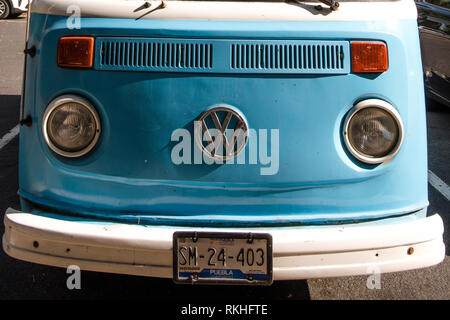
(9, 112)
(438, 123)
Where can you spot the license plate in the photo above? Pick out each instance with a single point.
(233, 258)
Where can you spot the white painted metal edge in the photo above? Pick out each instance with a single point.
(285, 240)
(304, 254)
(231, 11)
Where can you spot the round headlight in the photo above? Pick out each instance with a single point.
(373, 131)
(71, 126)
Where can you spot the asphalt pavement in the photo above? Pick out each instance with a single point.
(22, 280)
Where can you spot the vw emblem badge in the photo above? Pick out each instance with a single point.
(221, 132)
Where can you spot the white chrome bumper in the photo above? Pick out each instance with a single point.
(298, 252)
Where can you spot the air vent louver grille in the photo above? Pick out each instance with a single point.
(279, 56)
(148, 54)
(222, 56)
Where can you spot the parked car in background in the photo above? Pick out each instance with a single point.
(434, 29)
(12, 8)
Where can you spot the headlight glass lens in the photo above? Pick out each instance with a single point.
(373, 132)
(71, 127)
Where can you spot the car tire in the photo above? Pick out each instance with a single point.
(15, 15)
(4, 9)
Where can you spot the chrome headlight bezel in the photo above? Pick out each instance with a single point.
(392, 111)
(56, 103)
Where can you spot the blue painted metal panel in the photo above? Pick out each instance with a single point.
(130, 174)
(222, 56)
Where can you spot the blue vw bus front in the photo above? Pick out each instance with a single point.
(226, 142)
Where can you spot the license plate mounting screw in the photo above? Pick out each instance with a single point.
(194, 277)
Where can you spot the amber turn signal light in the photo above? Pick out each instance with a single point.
(369, 57)
(76, 52)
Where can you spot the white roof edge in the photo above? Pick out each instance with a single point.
(228, 11)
